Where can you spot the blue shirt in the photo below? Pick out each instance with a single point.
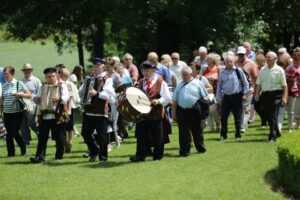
(186, 95)
(252, 56)
(229, 83)
(164, 72)
(2, 79)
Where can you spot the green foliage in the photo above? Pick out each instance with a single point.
(289, 163)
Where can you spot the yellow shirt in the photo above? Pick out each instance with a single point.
(271, 79)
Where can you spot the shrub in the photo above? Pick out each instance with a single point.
(289, 163)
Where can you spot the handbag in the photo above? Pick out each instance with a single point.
(202, 108)
(19, 103)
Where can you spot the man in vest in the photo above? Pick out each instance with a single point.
(151, 126)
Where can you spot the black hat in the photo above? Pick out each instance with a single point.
(148, 65)
(50, 70)
(98, 61)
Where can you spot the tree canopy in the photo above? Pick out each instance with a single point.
(114, 27)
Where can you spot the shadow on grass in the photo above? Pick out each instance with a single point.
(107, 164)
(23, 162)
(247, 141)
(63, 163)
(271, 178)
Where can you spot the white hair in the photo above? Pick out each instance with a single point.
(128, 55)
(230, 57)
(272, 53)
(187, 69)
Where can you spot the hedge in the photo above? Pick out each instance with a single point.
(289, 163)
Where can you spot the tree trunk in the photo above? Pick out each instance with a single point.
(80, 47)
(296, 39)
(98, 39)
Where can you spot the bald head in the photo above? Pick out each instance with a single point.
(152, 57)
(247, 46)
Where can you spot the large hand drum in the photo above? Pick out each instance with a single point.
(133, 104)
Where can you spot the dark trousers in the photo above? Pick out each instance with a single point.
(98, 123)
(12, 122)
(122, 132)
(58, 132)
(259, 109)
(143, 130)
(187, 123)
(28, 122)
(231, 103)
(271, 102)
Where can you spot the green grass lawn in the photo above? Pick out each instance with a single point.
(40, 56)
(228, 170)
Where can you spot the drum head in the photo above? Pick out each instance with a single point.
(138, 100)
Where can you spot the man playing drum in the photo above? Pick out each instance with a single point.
(151, 126)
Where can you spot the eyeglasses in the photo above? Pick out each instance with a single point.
(127, 59)
(175, 58)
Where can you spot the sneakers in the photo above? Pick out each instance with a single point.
(250, 121)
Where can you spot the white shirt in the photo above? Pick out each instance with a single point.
(177, 69)
(165, 96)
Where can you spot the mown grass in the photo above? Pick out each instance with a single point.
(16, 54)
(228, 170)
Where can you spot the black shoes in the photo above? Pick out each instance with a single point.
(36, 160)
(93, 158)
(103, 158)
(136, 159)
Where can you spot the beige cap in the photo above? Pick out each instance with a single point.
(27, 66)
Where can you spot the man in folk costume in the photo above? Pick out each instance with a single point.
(152, 125)
(51, 120)
(95, 116)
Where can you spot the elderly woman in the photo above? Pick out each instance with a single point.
(12, 90)
(212, 74)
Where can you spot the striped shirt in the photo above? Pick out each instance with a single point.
(8, 89)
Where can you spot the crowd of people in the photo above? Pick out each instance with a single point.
(239, 81)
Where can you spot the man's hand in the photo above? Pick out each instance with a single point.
(154, 102)
(244, 97)
(55, 99)
(257, 98)
(18, 94)
(92, 92)
(283, 101)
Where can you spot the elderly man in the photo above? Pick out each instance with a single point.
(252, 72)
(177, 65)
(272, 90)
(29, 119)
(231, 92)
(132, 69)
(160, 68)
(250, 54)
(49, 120)
(185, 96)
(152, 125)
(201, 59)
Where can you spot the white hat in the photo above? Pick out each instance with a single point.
(116, 58)
(202, 49)
(282, 50)
(241, 50)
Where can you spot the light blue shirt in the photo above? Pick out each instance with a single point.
(186, 95)
(229, 83)
(252, 56)
(164, 72)
(2, 78)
